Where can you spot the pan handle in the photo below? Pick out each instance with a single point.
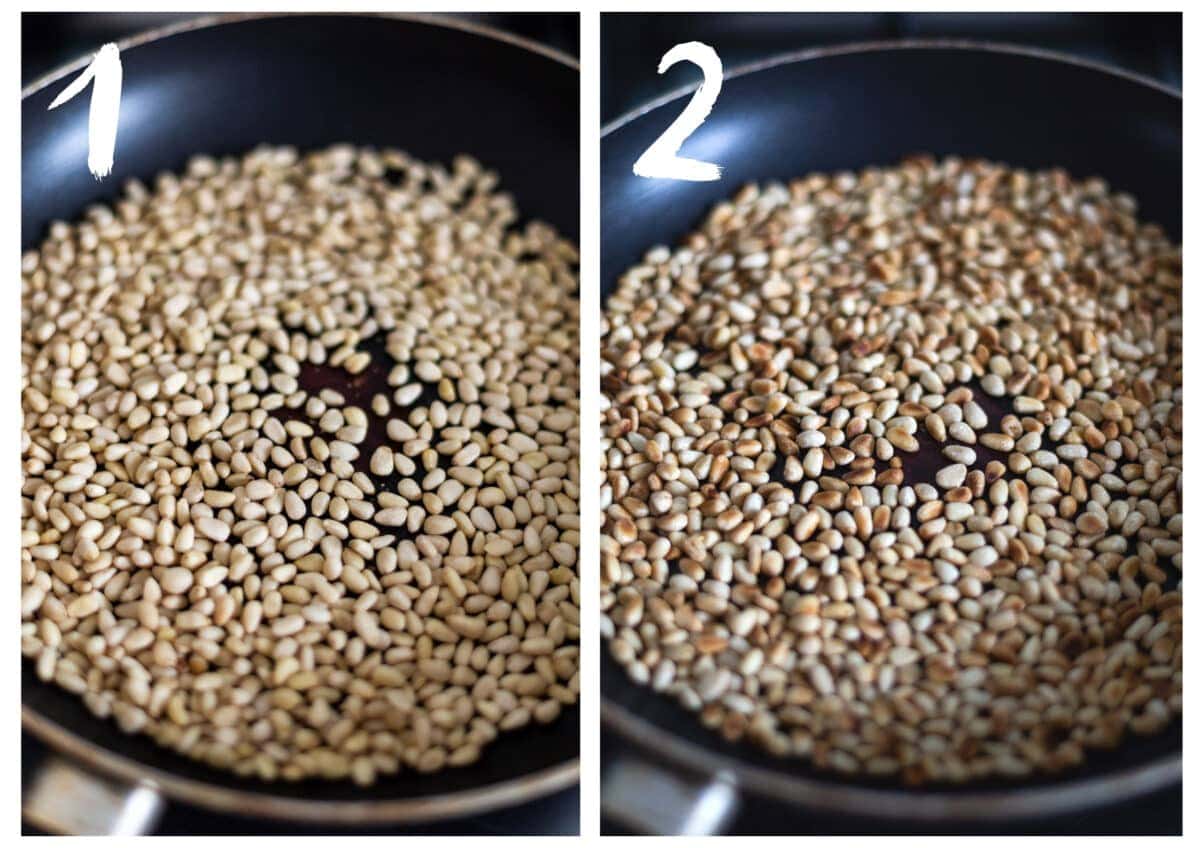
(653, 801)
(62, 798)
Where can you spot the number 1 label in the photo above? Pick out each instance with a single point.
(104, 72)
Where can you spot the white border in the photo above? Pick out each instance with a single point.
(10, 739)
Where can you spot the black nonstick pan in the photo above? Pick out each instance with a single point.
(431, 86)
(847, 108)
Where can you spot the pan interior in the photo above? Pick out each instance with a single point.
(512, 756)
(312, 81)
(853, 109)
(666, 716)
(847, 111)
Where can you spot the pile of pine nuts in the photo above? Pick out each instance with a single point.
(207, 554)
(892, 471)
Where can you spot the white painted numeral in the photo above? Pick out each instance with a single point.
(104, 72)
(662, 158)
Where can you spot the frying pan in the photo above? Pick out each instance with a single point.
(847, 108)
(432, 86)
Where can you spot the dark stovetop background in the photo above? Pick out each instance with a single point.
(1157, 814)
(49, 40)
(554, 815)
(631, 44)
(630, 47)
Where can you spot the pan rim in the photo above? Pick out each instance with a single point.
(980, 805)
(904, 44)
(213, 20)
(490, 796)
(252, 802)
(830, 795)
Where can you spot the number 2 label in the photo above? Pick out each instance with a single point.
(662, 159)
